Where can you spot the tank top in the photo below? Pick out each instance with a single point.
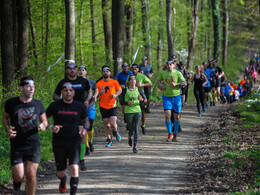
(198, 82)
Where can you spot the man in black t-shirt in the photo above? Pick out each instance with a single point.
(83, 93)
(23, 112)
(67, 133)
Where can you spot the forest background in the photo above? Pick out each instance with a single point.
(36, 33)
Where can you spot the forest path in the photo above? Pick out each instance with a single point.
(158, 167)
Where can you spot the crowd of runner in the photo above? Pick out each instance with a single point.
(73, 111)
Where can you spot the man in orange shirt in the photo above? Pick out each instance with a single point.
(232, 84)
(109, 89)
(242, 82)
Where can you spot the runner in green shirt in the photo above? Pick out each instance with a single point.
(170, 82)
(141, 82)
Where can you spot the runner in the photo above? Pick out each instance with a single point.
(131, 97)
(234, 86)
(20, 119)
(109, 89)
(66, 140)
(91, 112)
(83, 93)
(247, 86)
(142, 81)
(121, 78)
(200, 80)
(207, 87)
(170, 82)
(147, 70)
(184, 89)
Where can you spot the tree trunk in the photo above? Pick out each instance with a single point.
(118, 30)
(129, 28)
(146, 30)
(225, 32)
(80, 33)
(7, 51)
(107, 30)
(160, 32)
(217, 28)
(15, 34)
(195, 23)
(33, 36)
(169, 28)
(70, 31)
(93, 33)
(23, 37)
(45, 57)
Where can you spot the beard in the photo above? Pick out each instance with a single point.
(105, 76)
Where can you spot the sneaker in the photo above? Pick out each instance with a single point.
(109, 143)
(130, 141)
(185, 103)
(180, 129)
(214, 104)
(114, 133)
(174, 139)
(135, 150)
(211, 103)
(199, 114)
(118, 136)
(169, 137)
(87, 151)
(91, 147)
(143, 129)
(62, 188)
(82, 165)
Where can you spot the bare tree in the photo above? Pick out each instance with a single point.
(23, 37)
(146, 29)
(217, 28)
(93, 32)
(70, 31)
(7, 51)
(195, 23)
(160, 32)
(129, 27)
(225, 31)
(107, 30)
(33, 36)
(80, 32)
(169, 28)
(118, 31)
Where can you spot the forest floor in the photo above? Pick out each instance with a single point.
(183, 167)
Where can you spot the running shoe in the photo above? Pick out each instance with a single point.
(199, 114)
(130, 141)
(135, 150)
(214, 104)
(211, 103)
(109, 143)
(180, 129)
(87, 151)
(91, 147)
(118, 136)
(82, 165)
(169, 137)
(174, 139)
(185, 103)
(143, 129)
(62, 187)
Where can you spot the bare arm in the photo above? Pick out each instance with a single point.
(44, 122)
(9, 129)
(95, 94)
(206, 80)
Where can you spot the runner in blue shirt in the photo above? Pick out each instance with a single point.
(207, 87)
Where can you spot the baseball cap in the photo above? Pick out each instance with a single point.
(144, 58)
(135, 66)
(71, 65)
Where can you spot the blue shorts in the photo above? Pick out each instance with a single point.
(170, 103)
(91, 113)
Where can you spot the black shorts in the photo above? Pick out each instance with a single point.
(218, 83)
(64, 152)
(107, 113)
(142, 105)
(207, 89)
(20, 154)
(213, 83)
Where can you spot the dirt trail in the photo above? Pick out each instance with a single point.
(158, 168)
